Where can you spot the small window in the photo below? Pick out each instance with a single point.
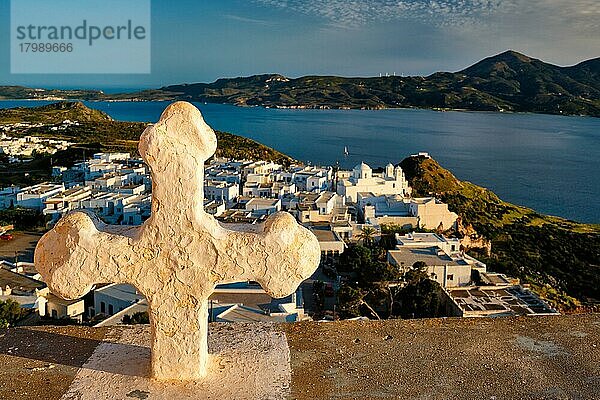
(450, 277)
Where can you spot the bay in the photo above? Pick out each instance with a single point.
(546, 162)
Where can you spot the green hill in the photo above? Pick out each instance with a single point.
(558, 257)
(22, 92)
(54, 113)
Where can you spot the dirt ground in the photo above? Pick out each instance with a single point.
(41, 362)
(504, 358)
(555, 357)
(23, 243)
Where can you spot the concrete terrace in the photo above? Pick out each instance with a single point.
(504, 358)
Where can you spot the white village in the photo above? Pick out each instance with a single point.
(341, 208)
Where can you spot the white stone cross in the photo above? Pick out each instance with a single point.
(178, 256)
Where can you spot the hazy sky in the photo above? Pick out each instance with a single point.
(199, 41)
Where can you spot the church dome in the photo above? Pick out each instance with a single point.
(362, 171)
(362, 167)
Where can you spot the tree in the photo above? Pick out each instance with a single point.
(351, 300)
(419, 266)
(22, 218)
(371, 288)
(354, 259)
(421, 296)
(140, 317)
(10, 312)
(318, 289)
(388, 242)
(379, 271)
(367, 235)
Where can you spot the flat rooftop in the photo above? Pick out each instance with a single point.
(59, 300)
(19, 282)
(41, 188)
(262, 202)
(416, 238)
(237, 313)
(121, 291)
(432, 256)
(500, 301)
(325, 235)
(326, 196)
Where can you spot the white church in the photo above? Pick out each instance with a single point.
(362, 179)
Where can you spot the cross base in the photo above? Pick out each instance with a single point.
(179, 348)
(247, 361)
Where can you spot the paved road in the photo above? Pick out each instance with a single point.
(23, 243)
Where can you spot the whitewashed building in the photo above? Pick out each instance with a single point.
(263, 206)
(35, 196)
(110, 299)
(61, 203)
(425, 212)
(362, 179)
(221, 191)
(446, 263)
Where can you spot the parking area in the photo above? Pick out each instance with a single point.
(22, 245)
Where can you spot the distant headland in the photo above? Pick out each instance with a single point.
(507, 82)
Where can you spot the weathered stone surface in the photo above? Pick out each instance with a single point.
(178, 256)
(250, 361)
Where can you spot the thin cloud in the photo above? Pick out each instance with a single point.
(248, 20)
(353, 13)
(577, 14)
(584, 14)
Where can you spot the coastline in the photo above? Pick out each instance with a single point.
(320, 108)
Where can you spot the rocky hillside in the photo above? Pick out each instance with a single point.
(558, 257)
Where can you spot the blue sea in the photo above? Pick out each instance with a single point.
(549, 163)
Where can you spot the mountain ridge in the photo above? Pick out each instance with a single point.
(506, 82)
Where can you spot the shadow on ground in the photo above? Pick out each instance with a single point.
(53, 346)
